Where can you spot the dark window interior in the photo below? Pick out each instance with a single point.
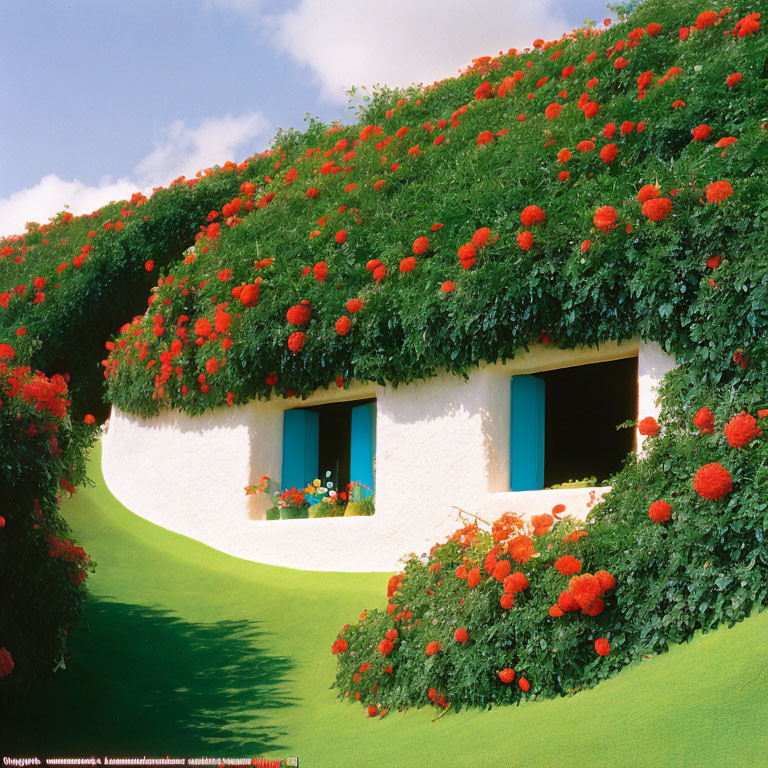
(335, 439)
(583, 406)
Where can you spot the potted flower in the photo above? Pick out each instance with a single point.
(324, 500)
(267, 486)
(360, 502)
(293, 504)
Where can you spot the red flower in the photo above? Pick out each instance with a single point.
(372, 711)
(149, 265)
(567, 564)
(733, 79)
(507, 675)
(320, 271)
(741, 430)
(7, 352)
(525, 240)
(602, 647)
(524, 684)
(298, 314)
(552, 111)
(521, 549)
(484, 137)
(706, 19)
(532, 214)
(660, 511)
(567, 602)
(704, 420)
(461, 635)
(481, 237)
(585, 589)
(343, 324)
(467, 255)
(564, 155)
(555, 611)
(386, 647)
(542, 523)
(249, 295)
(606, 580)
(507, 600)
(447, 287)
(648, 192)
(341, 236)
(354, 306)
(712, 481)
(653, 29)
(339, 646)
(700, 132)
(609, 153)
(296, 341)
(516, 582)
(473, 577)
(420, 245)
(433, 648)
(89, 419)
(657, 208)
(212, 365)
(408, 264)
(605, 218)
(648, 427)
(718, 191)
(6, 662)
(591, 108)
(620, 63)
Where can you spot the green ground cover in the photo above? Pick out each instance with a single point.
(187, 651)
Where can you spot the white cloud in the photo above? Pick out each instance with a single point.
(179, 151)
(184, 151)
(403, 41)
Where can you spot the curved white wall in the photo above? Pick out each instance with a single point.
(442, 443)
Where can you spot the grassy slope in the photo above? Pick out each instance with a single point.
(187, 651)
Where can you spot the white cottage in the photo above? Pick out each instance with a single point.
(492, 443)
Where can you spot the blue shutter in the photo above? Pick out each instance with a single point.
(526, 445)
(363, 445)
(301, 448)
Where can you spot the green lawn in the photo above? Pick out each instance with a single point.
(187, 651)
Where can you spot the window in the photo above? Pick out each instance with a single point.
(563, 423)
(335, 437)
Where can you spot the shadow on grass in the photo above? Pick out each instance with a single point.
(142, 681)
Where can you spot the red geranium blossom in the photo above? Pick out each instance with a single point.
(473, 578)
(343, 324)
(507, 600)
(408, 264)
(567, 564)
(341, 236)
(733, 79)
(461, 635)
(552, 111)
(706, 19)
(525, 240)
(712, 481)
(602, 646)
(648, 427)
(484, 137)
(516, 582)
(718, 191)
(447, 287)
(700, 132)
(605, 218)
(609, 153)
(704, 420)
(420, 245)
(741, 430)
(521, 549)
(532, 214)
(657, 208)
(6, 662)
(433, 647)
(507, 675)
(296, 341)
(648, 192)
(660, 511)
(542, 523)
(354, 306)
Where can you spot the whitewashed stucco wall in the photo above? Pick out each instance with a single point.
(440, 444)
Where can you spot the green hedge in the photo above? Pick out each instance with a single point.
(85, 305)
(41, 571)
(643, 278)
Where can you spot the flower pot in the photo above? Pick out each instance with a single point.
(293, 513)
(320, 510)
(354, 509)
(273, 513)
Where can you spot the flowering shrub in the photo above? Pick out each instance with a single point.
(42, 571)
(67, 285)
(493, 244)
(562, 605)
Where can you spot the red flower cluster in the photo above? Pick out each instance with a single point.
(741, 430)
(712, 481)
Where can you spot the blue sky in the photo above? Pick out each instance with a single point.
(104, 97)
